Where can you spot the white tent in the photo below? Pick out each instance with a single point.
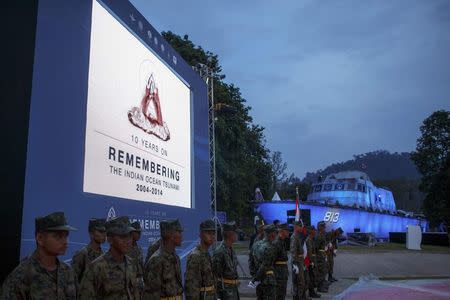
(276, 197)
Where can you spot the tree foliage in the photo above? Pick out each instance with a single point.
(278, 169)
(433, 147)
(432, 158)
(242, 159)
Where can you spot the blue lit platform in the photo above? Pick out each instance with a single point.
(347, 218)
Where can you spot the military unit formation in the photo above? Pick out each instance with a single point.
(122, 272)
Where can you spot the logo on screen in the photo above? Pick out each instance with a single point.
(111, 214)
(148, 116)
(331, 216)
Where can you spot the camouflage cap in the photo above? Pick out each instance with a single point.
(137, 226)
(119, 226)
(230, 226)
(310, 228)
(283, 226)
(97, 224)
(169, 225)
(270, 228)
(260, 224)
(53, 222)
(208, 225)
(321, 224)
(339, 230)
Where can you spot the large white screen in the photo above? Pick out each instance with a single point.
(138, 129)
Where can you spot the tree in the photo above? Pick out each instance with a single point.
(433, 147)
(437, 201)
(278, 169)
(242, 159)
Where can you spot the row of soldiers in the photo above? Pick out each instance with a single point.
(120, 273)
(312, 257)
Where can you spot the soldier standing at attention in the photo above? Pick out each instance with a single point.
(152, 249)
(312, 254)
(136, 253)
(264, 279)
(281, 261)
(331, 251)
(321, 258)
(42, 275)
(199, 281)
(83, 257)
(253, 246)
(162, 273)
(298, 265)
(225, 265)
(112, 275)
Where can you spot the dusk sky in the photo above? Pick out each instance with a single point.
(327, 79)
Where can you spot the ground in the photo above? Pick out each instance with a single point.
(390, 262)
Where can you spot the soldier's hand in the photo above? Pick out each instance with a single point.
(253, 284)
(295, 269)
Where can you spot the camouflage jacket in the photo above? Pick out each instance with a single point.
(152, 249)
(162, 275)
(296, 248)
(312, 251)
(251, 257)
(106, 278)
(320, 242)
(224, 263)
(199, 282)
(136, 255)
(30, 280)
(281, 258)
(83, 258)
(265, 256)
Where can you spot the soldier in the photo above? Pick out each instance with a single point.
(298, 266)
(254, 245)
(265, 254)
(83, 257)
(152, 249)
(281, 260)
(225, 264)
(259, 234)
(312, 254)
(331, 251)
(112, 275)
(162, 273)
(42, 275)
(199, 281)
(136, 253)
(321, 258)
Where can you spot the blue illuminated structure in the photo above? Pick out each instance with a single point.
(348, 200)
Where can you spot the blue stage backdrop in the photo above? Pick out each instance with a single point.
(346, 218)
(118, 124)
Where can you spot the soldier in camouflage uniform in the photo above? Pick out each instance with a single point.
(265, 255)
(225, 265)
(136, 253)
(312, 269)
(152, 249)
(113, 275)
(83, 257)
(256, 243)
(331, 251)
(298, 266)
(162, 273)
(322, 267)
(41, 275)
(281, 261)
(199, 281)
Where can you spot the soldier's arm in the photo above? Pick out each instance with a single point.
(88, 288)
(217, 261)
(267, 263)
(192, 278)
(251, 262)
(153, 278)
(78, 264)
(293, 249)
(152, 249)
(14, 287)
